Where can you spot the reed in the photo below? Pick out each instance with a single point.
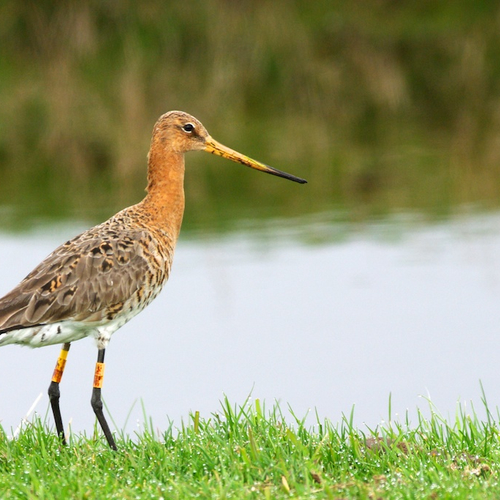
(382, 109)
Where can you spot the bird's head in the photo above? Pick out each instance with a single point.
(180, 132)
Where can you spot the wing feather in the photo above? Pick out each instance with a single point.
(83, 279)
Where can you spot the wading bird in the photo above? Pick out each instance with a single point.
(93, 284)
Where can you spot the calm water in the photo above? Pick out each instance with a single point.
(400, 308)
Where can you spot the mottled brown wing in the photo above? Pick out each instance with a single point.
(88, 278)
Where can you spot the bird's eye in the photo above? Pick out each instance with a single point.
(189, 127)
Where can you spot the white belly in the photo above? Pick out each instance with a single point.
(65, 331)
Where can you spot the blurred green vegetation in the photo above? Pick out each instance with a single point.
(383, 106)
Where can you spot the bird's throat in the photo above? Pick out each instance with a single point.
(165, 191)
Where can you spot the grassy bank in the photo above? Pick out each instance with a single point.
(251, 452)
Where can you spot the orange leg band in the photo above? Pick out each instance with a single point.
(61, 363)
(98, 375)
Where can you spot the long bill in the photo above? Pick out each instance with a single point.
(216, 148)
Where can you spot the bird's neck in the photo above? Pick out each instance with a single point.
(165, 191)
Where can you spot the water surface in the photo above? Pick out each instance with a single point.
(397, 308)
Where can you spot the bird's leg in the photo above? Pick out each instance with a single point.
(54, 393)
(96, 400)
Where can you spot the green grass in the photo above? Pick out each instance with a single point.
(251, 452)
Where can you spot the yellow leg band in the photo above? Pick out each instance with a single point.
(59, 369)
(98, 375)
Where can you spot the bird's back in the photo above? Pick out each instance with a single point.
(90, 285)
